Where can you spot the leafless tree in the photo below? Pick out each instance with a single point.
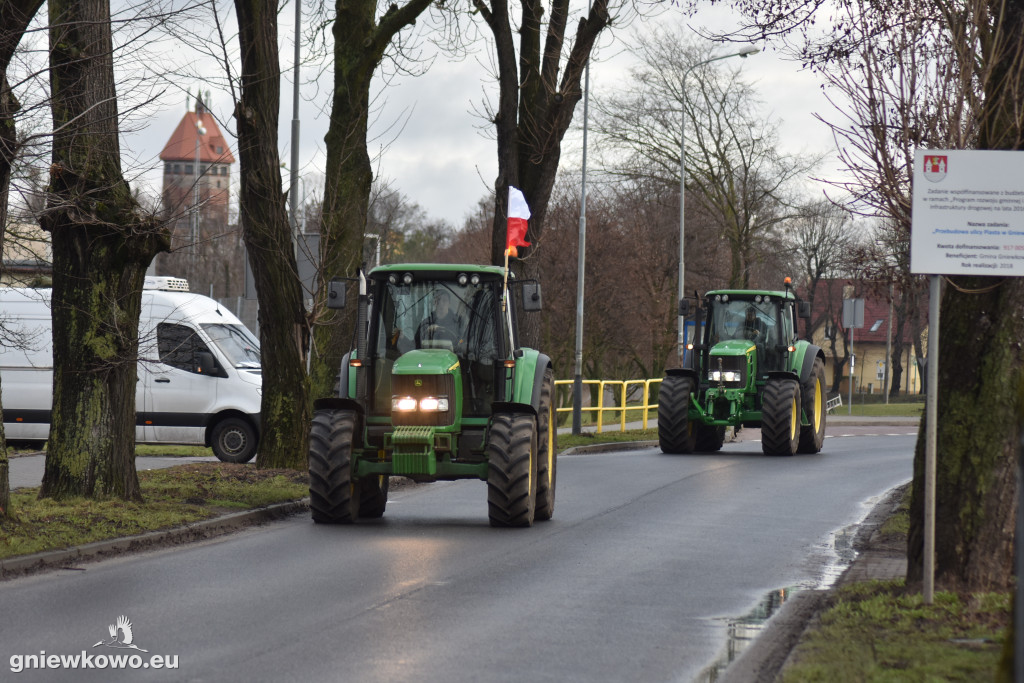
(736, 174)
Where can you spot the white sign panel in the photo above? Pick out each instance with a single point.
(968, 213)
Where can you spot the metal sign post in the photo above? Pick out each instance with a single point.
(853, 318)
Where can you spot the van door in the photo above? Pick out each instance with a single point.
(180, 397)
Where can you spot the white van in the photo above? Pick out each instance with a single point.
(199, 376)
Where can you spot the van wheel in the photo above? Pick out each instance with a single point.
(234, 440)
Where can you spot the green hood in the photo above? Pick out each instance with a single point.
(426, 362)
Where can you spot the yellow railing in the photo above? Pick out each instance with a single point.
(623, 389)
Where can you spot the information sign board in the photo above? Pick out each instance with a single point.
(968, 213)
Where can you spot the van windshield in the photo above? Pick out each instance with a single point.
(237, 343)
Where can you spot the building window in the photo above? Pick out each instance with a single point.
(223, 170)
(218, 183)
(188, 169)
(220, 150)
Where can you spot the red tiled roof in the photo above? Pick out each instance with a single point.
(876, 307)
(213, 148)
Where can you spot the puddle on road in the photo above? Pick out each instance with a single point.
(834, 557)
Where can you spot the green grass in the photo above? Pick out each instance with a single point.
(566, 441)
(877, 631)
(172, 497)
(915, 409)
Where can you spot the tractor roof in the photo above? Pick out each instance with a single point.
(437, 270)
(744, 294)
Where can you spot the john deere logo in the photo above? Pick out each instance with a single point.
(417, 383)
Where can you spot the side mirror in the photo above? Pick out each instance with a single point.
(684, 307)
(336, 294)
(531, 296)
(206, 364)
(804, 310)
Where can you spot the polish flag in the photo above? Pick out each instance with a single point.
(518, 214)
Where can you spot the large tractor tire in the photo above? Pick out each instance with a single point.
(332, 496)
(676, 432)
(512, 470)
(373, 496)
(547, 450)
(780, 417)
(709, 439)
(812, 392)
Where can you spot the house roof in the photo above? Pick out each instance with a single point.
(829, 293)
(213, 148)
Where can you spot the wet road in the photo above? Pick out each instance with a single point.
(635, 578)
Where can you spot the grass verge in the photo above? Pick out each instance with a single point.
(171, 497)
(878, 631)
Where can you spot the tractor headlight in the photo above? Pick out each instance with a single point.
(724, 376)
(403, 403)
(430, 404)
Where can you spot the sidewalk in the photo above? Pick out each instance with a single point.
(832, 419)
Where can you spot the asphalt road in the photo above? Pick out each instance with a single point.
(636, 578)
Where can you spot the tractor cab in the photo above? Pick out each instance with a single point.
(740, 321)
(437, 323)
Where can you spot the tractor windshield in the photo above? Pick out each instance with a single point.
(432, 314)
(750, 320)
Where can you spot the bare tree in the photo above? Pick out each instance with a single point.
(823, 238)
(538, 89)
(14, 20)
(102, 244)
(736, 173)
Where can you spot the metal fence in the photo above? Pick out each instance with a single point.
(634, 396)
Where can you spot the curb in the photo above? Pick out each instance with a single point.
(607, 447)
(207, 528)
(766, 657)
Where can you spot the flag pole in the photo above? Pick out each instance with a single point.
(504, 284)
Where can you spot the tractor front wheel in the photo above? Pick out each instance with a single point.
(332, 496)
(812, 391)
(709, 439)
(676, 432)
(512, 470)
(373, 496)
(780, 417)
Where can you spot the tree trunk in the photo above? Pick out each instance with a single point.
(284, 408)
(359, 45)
(535, 106)
(14, 20)
(101, 248)
(981, 376)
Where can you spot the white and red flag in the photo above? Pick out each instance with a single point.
(518, 215)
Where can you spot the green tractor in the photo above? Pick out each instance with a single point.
(746, 369)
(438, 388)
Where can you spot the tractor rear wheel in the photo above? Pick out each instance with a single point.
(812, 391)
(373, 496)
(709, 439)
(332, 496)
(780, 417)
(676, 432)
(512, 470)
(547, 450)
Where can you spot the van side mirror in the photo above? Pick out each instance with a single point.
(206, 364)
(804, 310)
(531, 296)
(336, 294)
(684, 307)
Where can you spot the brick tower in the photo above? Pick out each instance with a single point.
(196, 192)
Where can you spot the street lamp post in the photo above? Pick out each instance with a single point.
(749, 50)
(200, 131)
